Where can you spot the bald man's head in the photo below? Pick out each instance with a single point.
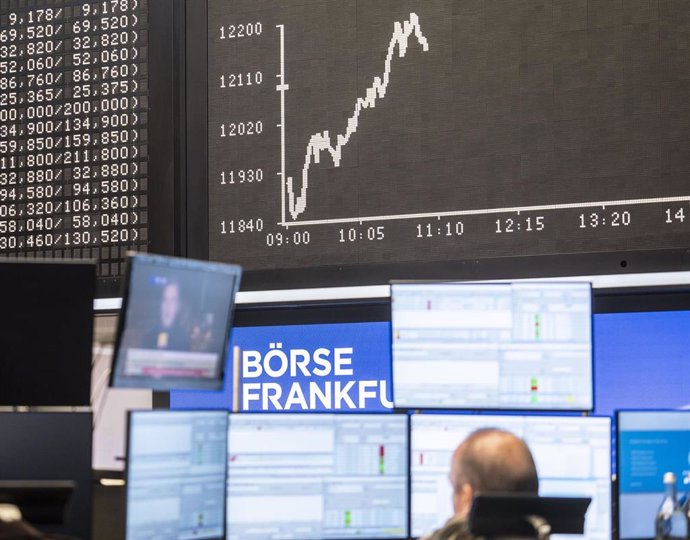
(491, 461)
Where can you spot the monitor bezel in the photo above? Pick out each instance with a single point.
(497, 409)
(128, 444)
(132, 258)
(616, 424)
(336, 414)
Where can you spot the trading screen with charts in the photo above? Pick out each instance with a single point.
(500, 346)
(176, 471)
(572, 456)
(321, 476)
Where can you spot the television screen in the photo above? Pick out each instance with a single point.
(492, 346)
(174, 324)
(46, 332)
(176, 468)
(650, 443)
(314, 476)
(572, 455)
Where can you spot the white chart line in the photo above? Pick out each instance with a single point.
(282, 88)
(321, 142)
(516, 209)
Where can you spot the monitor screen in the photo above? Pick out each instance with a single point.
(321, 476)
(634, 345)
(572, 455)
(46, 332)
(176, 469)
(650, 443)
(492, 346)
(52, 446)
(173, 327)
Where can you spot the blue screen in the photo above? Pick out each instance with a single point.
(651, 443)
(296, 368)
(641, 360)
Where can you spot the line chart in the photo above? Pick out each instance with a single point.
(321, 142)
(352, 134)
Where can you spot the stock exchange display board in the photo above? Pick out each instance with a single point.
(74, 129)
(359, 132)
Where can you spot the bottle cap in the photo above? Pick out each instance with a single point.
(669, 478)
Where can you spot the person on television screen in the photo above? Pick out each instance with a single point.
(169, 332)
(488, 461)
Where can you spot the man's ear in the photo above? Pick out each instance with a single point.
(462, 500)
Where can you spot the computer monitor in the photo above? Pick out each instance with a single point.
(51, 448)
(492, 346)
(176, 472)
(174, 324)
(572, 455)
(313, 476)
(46, 332)
(650, 443)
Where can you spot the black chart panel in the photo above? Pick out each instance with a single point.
(73, 129)
(347, 132)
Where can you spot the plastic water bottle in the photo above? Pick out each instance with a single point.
(671, 521)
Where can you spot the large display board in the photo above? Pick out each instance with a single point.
(350, 133)
(74, 127)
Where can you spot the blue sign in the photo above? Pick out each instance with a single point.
(342, 367)
(642, 360)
